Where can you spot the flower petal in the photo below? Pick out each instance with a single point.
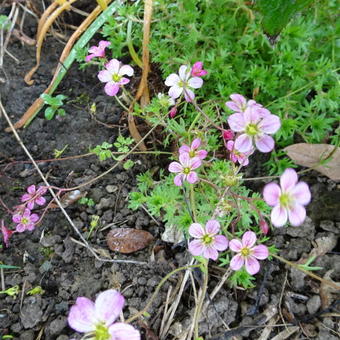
(178, 180)
(30, 205)
(235, 245)
(175, 91)
(103, 44)
(260, 252)
(189, 95)
(40, 200)
(252, 265)
(201, 154)
(192, 177)
(270, 124)
(236, 122)
(82, 315)
(108, 306)
(296, 215)
(251, 115)
(279, 216)
(122, 331)
(236, 262)
(89, 57)
(175, 167)
(113, 66)
(34, 218)
(195, 82)
(243, 143)
(196, 143)
(301, 193)
(172, 80)
(20, 227)
(271, 194)
(212, 227)
(210, 252)
(220, 242)
(111, 89)
(17, 218)
(184, 148)
(233, 106)
(26, 197)
(104, 76)
(184, 159)
(196, 230)
(31, 189)
(288, 179)
(248, 239)
(183, 72)
(238, 99)
(126, 69)
(27, 213)
(123, 81)
(195, 247)
(265, 143)
(195, 163)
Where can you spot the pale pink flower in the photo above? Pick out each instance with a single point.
(98, 51)
(192, 150)
(6, 233)
(254, 129)
(185, 168)
(248, 255)
(25, 220)
(197, 70)
(208, 242)
(34, 196)
(236, 156)
(97, 318)
(183, 83)
(113, 76)
(288, 199)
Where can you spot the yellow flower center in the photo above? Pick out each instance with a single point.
(285, 200)
(245, 252)
(24, 220)
(186, 171)
(116, 78)
(102, 332)
(207, 239)
(192, 153)
(252, 130)
(182, 83)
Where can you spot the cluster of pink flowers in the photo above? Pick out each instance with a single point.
(190, 158)
(23, 216)
(97, 319)
(207, 241)
(288, 199)
(253, 123)
(185, 82)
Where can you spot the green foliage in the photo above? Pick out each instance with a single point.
(87, 201)
(5, 23)
(122, 143)
(277, 13)
(242, 278)
(103, 151)
(54, 105)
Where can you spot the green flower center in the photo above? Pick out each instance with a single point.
(207, 239)
(192, 153)
(186, 171)
(102, 332)
(245, 252)
(116, 78)
(285, 200)
(24, 220)
(182, 83)
(252, 130)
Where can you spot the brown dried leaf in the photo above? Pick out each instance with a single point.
(310, 155)
(128, 240)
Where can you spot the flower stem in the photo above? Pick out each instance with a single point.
(192, 202)
(121, 104)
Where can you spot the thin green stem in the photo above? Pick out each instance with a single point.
(132, 51)
(194, 122)
(121, 104)
(192, 202)
(145, 309)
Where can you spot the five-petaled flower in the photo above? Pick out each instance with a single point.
(192, 150)
(25, 220)
(97, 51)
(183, 82)
(197, 70)
(288, 199)
(34, 196)
(208, 243)
(113, 76)
(255, 129)
(185, 168)
(236, 156)
(97, 318)
(247, 254)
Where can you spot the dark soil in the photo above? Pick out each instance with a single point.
(49, 257)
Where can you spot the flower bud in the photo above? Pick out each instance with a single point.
(264, 227)
(173, 112)
(228, 134)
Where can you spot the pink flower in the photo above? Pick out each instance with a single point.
(97, 318)
(228, 134)
(34, 196)
(197, 70)
(208, 242)
(25, 220)
(236, 156)
(6, 233)
(183, 82)
(247, 253)
(185, 169)
(288, 199)
(255, 129)
(264, 226)
(113, 76)
(192, 149)
(173, 112)
(98, 51)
